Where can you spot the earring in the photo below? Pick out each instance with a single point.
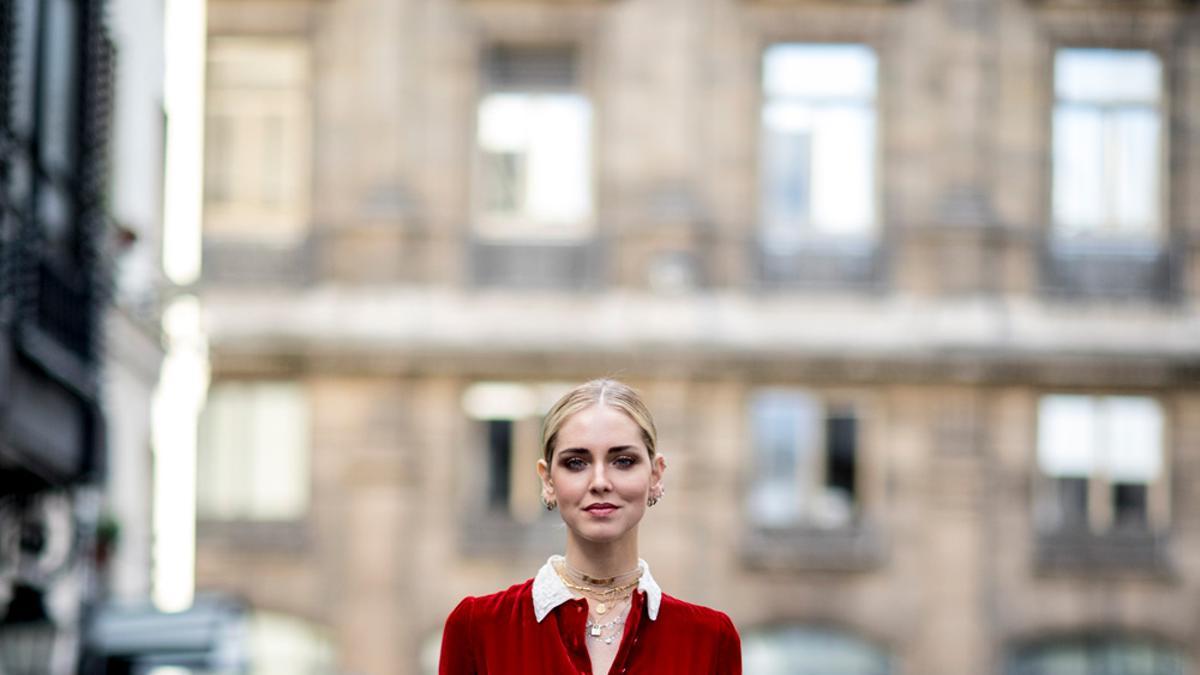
(549, 504)
(654, 498)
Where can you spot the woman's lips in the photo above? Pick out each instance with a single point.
(601, 509)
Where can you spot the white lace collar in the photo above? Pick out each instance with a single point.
(549, 591)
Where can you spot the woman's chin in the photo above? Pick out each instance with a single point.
(601, 533)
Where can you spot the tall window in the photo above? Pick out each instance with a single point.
(817, 157)
(534, 146)
(806, 456)
(257, 138)
(506, 423)
(41, 137)
(58, 151)
(1103, 456)
(253, 456)
(1107, 143)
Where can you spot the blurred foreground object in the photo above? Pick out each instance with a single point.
(69, 397)
(26, 634)
(209, 637)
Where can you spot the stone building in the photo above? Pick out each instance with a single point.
(910, 286)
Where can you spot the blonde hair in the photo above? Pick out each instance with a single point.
(603, 391)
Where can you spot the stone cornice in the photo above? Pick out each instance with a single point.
(968, 339)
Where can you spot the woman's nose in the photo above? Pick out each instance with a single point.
(600, 479)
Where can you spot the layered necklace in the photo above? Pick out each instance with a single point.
(602, 632)
(603, 592)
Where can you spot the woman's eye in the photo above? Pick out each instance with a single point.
(574, 464)
(625, 462)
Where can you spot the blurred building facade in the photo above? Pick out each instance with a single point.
(910, 286)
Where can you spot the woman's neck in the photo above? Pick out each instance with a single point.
(603, 559)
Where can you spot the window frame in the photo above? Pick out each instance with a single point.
(813, 264)
(813, 235)
(829, 404)
(520, 404)
(496, 229)
(244, 511)
(1099, 517)
(1096, 239)
(288, 221)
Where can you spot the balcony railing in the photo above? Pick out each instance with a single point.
(1108, 270)
(1080, 550)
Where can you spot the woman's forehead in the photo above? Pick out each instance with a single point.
(602, 426)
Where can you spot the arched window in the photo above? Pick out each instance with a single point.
(1097, 656)
(798, 650)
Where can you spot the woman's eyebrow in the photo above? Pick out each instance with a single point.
(585, 451)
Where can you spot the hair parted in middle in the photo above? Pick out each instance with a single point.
(603, 391)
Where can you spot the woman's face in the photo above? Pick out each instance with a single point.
(601, 474)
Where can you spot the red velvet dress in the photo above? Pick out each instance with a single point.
(500, 634)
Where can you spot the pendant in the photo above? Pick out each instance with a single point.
(595, 630)
(601, 608)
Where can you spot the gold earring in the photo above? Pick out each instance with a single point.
(549, 504)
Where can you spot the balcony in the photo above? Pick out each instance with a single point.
(1136, 271)
(850, 265)
(857, 547)
(1119, 550)
(536, 265)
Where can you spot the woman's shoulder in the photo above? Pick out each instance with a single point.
(694, 617)
(503, 603)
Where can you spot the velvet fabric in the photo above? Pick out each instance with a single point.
(499, 634)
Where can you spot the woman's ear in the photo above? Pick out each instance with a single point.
(543, 470)
(657, 468)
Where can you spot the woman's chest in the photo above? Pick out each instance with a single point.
(554, 652)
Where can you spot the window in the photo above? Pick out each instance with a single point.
(806, 461)
(795, 650)
(506, 420)
(1098, 656)
(1103, 456)
(1107, 144)
(43, 155)
(253, 455)
(534, 146)
(257, 136)
(817, 158)
(57, 89)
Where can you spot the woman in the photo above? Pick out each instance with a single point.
(596, 610)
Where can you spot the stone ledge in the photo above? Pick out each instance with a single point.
(857, 548)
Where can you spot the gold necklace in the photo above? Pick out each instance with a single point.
(605, 598)
(598, 581)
